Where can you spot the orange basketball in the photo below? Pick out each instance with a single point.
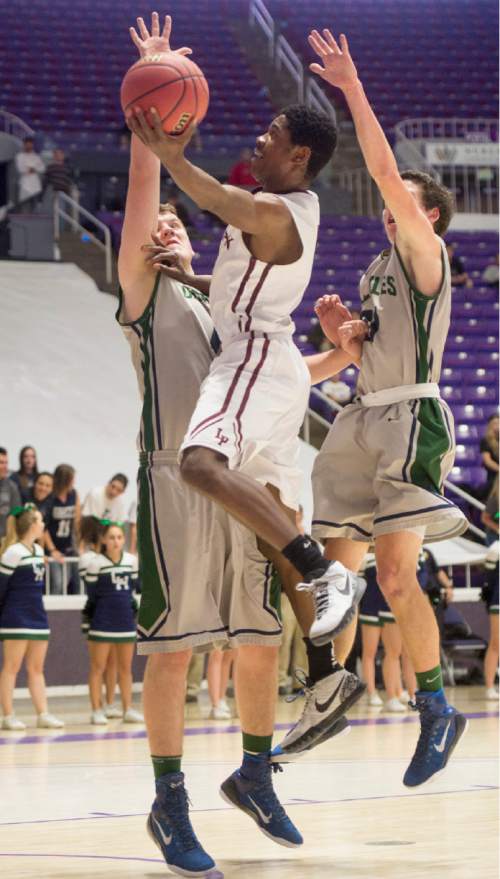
(173, 84)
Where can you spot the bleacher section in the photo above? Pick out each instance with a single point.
(415, 59)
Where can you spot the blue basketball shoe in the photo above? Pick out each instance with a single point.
(441, 727)
(256, 797)
(170, 828)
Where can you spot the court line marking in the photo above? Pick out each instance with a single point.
(205, 730)
(294, 801)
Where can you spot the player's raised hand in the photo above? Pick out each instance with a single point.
(168, 147)
(331, 313)
(351, 336)
(155, 43)
(164, 259)
(338, 67)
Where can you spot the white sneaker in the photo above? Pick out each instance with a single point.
(219, 712)
(404, 698)
(394, 706)
(112, 711)
(491, 695)
(10, 721)
(374, 700)
(48, 721)
(326, 702)
(336, 594)
(98, 718)
(133, 716)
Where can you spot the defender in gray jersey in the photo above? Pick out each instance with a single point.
(379, 476)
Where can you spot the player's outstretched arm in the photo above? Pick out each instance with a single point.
(168, 263)
(143, 194)
(332, 315)
(339, 70)
(261, 214)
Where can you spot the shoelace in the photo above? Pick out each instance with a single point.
(320, 594)
(301, 677)
(176, 803)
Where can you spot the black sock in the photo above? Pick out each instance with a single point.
(306, 556)
(321, 661)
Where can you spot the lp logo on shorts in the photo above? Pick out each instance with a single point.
(220, 437)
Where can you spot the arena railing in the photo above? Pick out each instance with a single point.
(62, 201)
(66, 576)
(258, 14)
(12, 124)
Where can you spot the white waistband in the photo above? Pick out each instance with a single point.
(388, 396)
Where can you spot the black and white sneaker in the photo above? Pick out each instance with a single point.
(336, 594)
(322, 717)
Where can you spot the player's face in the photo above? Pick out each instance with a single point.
(174, 237)
(42, 487)
(115, 488)
(38, 527)
(388, 219)
(272, 151)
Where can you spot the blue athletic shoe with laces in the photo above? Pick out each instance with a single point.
(170, 828)
(441, 727)
(256, 797)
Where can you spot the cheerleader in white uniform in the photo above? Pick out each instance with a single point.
(111, 580)
(24, 627)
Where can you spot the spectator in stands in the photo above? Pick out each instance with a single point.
(59, 175)
(459, 277)
(337, 390)
(25, 477)
(490, 275)
(489, 451)
(106, 502)
(489, 516)
(30, 169)
(9, 492)
(41, 493)
(490, 596)
(240, 174)
(63, 528)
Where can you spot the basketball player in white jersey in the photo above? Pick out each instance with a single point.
(255, 397)
(204, 580)
(380, 472)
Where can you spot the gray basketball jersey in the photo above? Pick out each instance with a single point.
(409, 330)
(172, 344)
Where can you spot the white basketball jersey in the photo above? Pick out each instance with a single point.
(250, 296)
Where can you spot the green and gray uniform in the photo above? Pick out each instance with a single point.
(203, 579)
(382, 466)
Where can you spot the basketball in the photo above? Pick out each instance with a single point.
(173, 84)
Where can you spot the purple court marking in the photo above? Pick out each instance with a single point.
(82, 857)
(206, 730)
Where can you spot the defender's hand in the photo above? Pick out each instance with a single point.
(155, 43)
(338, 69)
(332, 313)
(167, 147)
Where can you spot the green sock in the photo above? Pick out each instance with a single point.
(162, 765)
(256, 744)
(431, 680)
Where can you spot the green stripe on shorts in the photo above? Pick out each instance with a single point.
(153, 601)
(433, 443)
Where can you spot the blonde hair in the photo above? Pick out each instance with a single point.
(167, 208)
(17, 527)
(491, 435)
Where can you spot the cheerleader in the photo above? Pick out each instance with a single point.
(111, 579)
(24, 627)
(90, 536)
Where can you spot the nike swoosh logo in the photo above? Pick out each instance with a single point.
(322, 707)
(265, 818)
(345, 589)
(431, 680)
(440, 748)
(165, 839)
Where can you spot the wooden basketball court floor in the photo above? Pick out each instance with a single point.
(74, 803)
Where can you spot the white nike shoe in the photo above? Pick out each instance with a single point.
(11, 722)
(98, 718)
(113, 711)
(374, 700)
(48, 721)
(336, 594)
(394, 706)
(491, 694)
(221, 711)
(326, 702)
(133, 716)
